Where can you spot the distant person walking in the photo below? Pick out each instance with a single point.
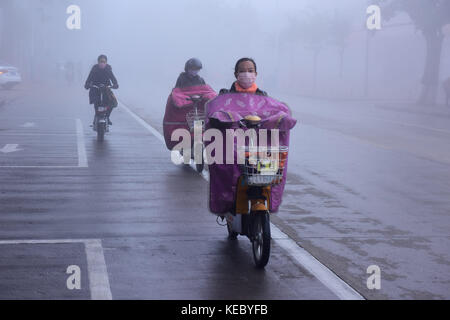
(447, 91)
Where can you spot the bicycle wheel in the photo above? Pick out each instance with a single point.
(261, 240)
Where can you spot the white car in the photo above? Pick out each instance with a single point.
(9, 76)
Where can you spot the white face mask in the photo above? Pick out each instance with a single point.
(246, 79)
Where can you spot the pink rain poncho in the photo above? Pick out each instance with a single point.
(224, 112)
(178, 106)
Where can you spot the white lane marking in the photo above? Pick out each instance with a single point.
(28, 125)
(45, 241)
(40, 167)
(82, 158)
(9, 148)
(35, 118)
(418, 126)
(97, 271)
(338, 286)
(143, 123)
(328, 278)
(10, 133)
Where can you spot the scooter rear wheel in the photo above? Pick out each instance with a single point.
(100, 132)
(199, 167)
(232, 235)
(261, 240)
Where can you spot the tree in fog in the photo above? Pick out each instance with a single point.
(429, 16)
(7, 28)
(311, 29)
(340, 30)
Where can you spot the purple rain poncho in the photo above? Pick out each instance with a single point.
(178, 106)
(225, 111)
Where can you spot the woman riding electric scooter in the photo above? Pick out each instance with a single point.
(246, 193)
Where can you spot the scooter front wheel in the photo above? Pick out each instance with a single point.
(261, 239)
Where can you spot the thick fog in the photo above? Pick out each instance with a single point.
(318, 48)
(357, 105)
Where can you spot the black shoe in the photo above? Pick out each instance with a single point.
(109, 122)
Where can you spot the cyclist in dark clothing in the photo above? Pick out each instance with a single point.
(190, 77)
(101, 75)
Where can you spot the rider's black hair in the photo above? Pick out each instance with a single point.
(236, 68)
(102, 56)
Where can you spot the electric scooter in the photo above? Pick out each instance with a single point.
(101, 121)
(263, 168)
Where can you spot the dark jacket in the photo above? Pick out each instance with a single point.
(99, 76)
(185, 80)
(233, 90)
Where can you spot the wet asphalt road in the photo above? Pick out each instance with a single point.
(158, 240)
(372, 187)
(368, 185)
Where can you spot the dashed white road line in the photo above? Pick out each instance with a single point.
(143, 123)
(40, 167)
(97, 271)
(327, 277)
(98, 275)
(28, 125)
(417, 126)
(82, 158)
(338, 286)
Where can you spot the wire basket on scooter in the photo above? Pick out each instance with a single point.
(264, 166)
(194, 117)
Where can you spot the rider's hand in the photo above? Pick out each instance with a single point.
(115, 86)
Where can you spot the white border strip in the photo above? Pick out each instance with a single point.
(52, 241)
(97, 271)
(314, 266)
(40, 167)
(143, 123)
(82, 158)
(327, 277)
(37, 134)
